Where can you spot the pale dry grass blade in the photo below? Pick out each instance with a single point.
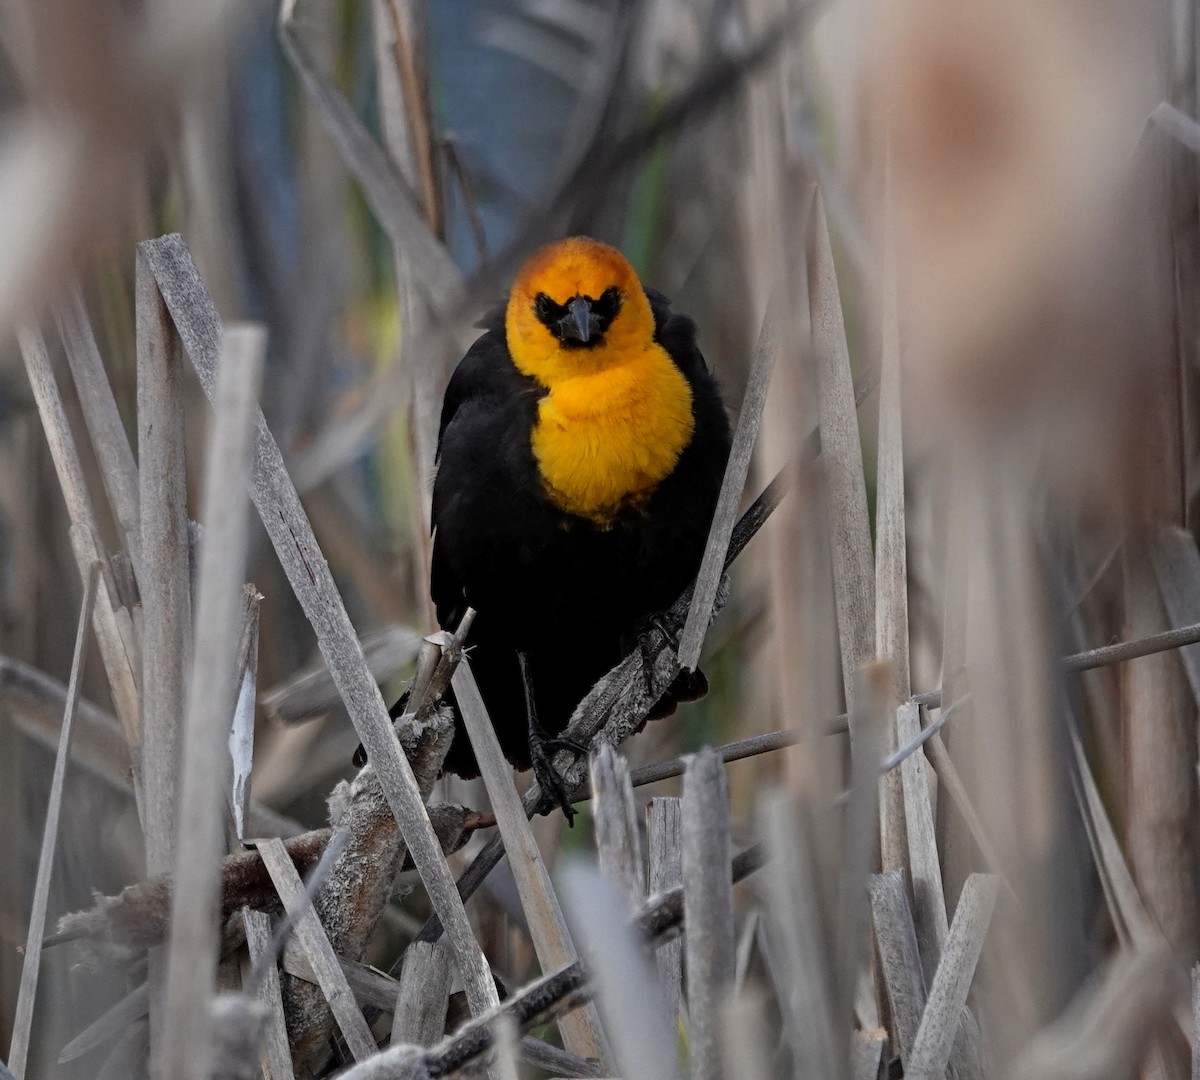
(547, 927)
(618, 844)
(276, 1058)
(664, 828)
(891, 561)
(166, 582)
(842, 460)
(212, 696)
(928, 897)
(316, 945)
(114, 629)
(952, 981)
(860, 846)
(31, 964)
(421, 1000)
(308, 573)
(712, 567)
(708, 909)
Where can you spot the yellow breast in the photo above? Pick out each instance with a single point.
(606, 438)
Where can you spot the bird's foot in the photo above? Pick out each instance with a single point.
(649, 647)
(549, 779)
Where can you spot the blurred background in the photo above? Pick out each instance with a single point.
(1011, 202)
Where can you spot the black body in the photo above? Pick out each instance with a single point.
(569, 594)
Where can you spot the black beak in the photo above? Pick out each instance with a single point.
(577, 324)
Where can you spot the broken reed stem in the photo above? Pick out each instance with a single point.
(712, 567)
(212, 696)
(618, 847)
(708, 910)
(165, 584)
(275, 1053)
(31, 964)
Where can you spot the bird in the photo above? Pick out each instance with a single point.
(581, 449)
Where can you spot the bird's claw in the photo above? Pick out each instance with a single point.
(649, 649)
(550, 781)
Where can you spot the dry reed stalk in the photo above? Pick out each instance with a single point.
(800, 964)
(712, 567)
(664, 824)
(211, 699)
(419, 1015)
(275, 1056)
(118, 469)
(842, 460)
(900, 957)
(18, 1051)
(708, 910)
(641, 1036)
(929, 902)
(891, 574)
(320, 953)
(1160, 743)
(618, 844)
(111, 622)
(952, 981)
(166, 584)
(1176, 565)
(581, 1033)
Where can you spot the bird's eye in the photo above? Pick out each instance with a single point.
(608, 304)
(544, 306)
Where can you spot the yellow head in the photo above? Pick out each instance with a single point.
(575, 308)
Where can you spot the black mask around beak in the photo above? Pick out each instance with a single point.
(576, 325)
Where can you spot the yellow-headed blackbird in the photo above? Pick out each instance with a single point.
(582, 445)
